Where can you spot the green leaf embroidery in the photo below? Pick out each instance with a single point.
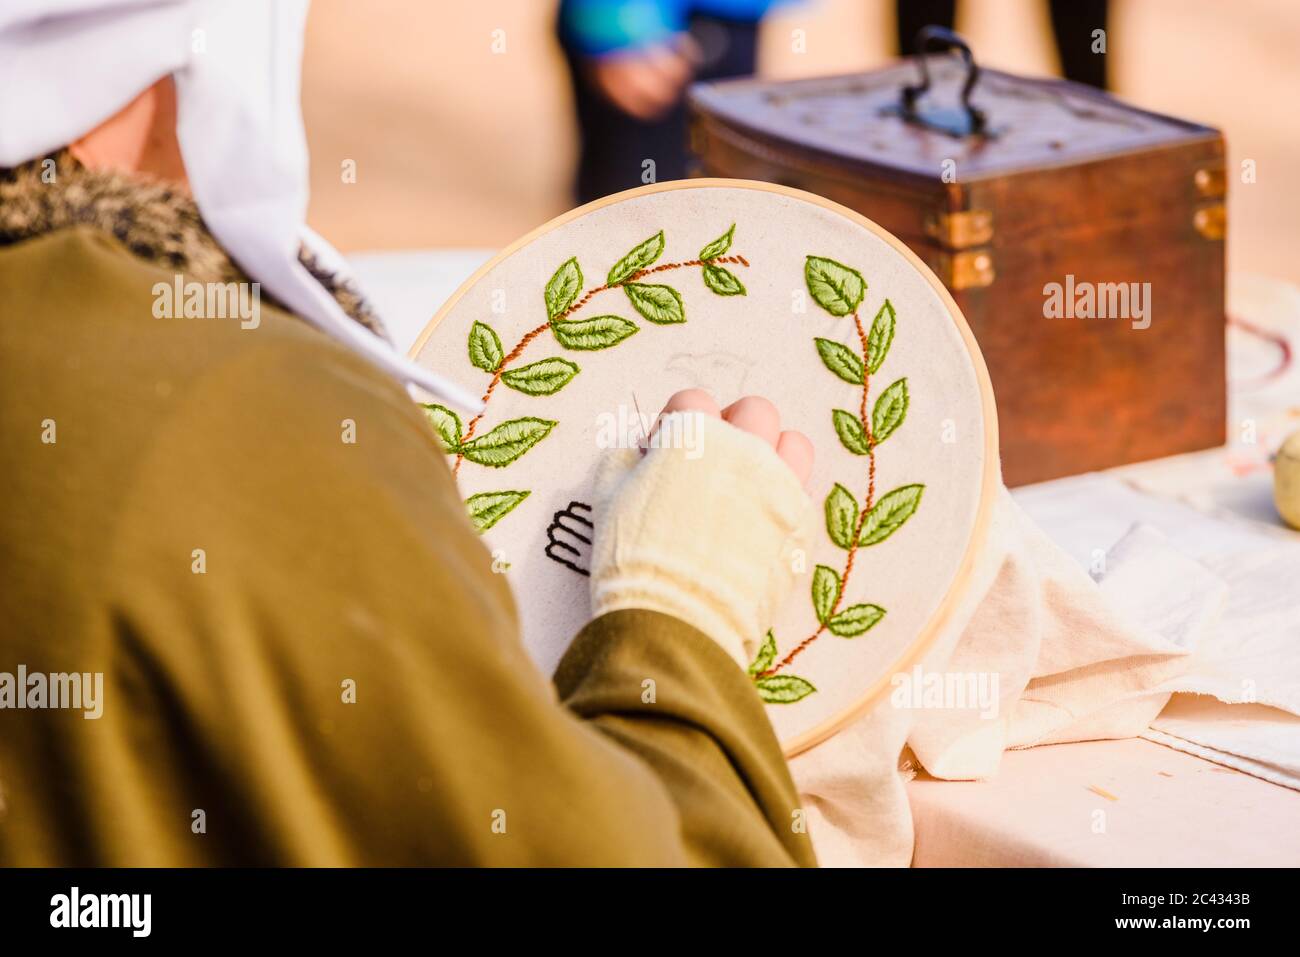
(783, 689)
(840, 361)
(852, 622)
(852, 435)
(723, 281)
(541, 378)
(507, 441)
(825, 590)
(600, 332)
(837, 288)
(766, 655)
(639, 258)
(563, 288)
(841, 516)
(446, 423)
(488, 508)
(888, 515)
(880, 337)
(889, 411)
(484, 347)
(659, 304)
(719, 246)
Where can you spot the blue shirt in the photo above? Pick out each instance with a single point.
(596, 27)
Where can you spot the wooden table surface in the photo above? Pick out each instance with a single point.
(1129, 803)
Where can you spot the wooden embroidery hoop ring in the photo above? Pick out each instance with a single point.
(941, 619)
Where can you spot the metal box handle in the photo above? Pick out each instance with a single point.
(973, 123)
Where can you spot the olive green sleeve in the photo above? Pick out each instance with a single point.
(307, 656)
(457, 748)
(665, 692)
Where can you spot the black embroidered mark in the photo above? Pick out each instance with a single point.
(568, 532)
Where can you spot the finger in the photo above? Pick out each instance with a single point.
(689, 48)
(671, 66)
(645, 83)
(757, 415)
(656, 91)
(796, 450)
(626, 93)
(692, 400)
(687, 400)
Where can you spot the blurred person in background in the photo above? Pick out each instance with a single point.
(1073, 23)
(630, 62)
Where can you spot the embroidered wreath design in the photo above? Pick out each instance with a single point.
(836, 288)
(839, 290)
(564, 296)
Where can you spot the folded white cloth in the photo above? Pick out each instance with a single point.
(850, 784)
(1071, 664)
(1249, 656)
(1075, 645)
(1254, 738)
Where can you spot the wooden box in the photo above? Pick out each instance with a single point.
(1066, 195)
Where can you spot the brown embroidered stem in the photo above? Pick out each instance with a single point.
(515, 353)
(862, 514)
(734, 260)
(586, 298)
(518, 350)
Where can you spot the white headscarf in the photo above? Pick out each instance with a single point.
(68, 65)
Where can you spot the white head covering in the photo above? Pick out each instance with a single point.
(68, 65)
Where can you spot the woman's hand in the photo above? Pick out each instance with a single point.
(755, 415)
(704, 522)
(645, 83)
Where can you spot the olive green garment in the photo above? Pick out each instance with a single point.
(307, 658)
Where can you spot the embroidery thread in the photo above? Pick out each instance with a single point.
(839, 290)
(563, 296)
(568, 527)
(488, 508)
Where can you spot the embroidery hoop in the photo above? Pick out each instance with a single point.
(944, 615)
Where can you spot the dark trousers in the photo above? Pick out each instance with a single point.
(613, 147)
(1072, 23)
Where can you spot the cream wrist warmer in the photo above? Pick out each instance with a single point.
(705, 531)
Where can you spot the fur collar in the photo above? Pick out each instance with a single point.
(156, 221)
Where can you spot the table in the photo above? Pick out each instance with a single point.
(1126, 803)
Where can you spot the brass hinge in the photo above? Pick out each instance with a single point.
(960, 230)
(971, 269)
(1211, 221)
(1211, 182)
